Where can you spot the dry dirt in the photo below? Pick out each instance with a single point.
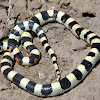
(69, 50)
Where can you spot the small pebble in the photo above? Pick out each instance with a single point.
(3, 87)
(42, 76)
(11, 22)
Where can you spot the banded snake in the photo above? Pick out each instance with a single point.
(61, 85)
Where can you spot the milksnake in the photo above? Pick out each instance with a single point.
(62, 85)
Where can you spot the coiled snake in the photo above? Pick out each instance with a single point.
(35, 24)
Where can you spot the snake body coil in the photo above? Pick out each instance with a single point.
(67, 82)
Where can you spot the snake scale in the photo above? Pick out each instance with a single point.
(18, 33)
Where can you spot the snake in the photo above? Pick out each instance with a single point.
(62, 85)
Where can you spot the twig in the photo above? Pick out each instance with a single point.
(9, 11)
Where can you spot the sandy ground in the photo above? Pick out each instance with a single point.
(70, 51)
